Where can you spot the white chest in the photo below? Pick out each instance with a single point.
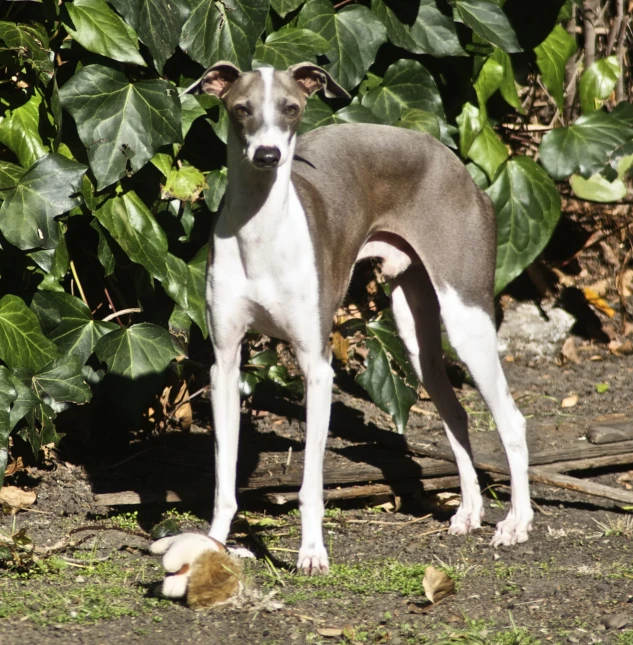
(264, 274)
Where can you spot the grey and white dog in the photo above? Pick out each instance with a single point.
(298, 213)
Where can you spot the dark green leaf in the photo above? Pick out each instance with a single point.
(289, 46)
(387, 390)
(406, 85)
(528, 208)
(97, 28)
(19, 130)
(489, 22)
(41, 429)
(470, 125)
(22, 343)
(551, 57)
(420, 121)
(136, 351)
(10, 175)
(597, 82)
(354, 35)
(30, 42)
(384, 331)
(216, 185)
(104, 249)
(61, 379)
(586, 146)
(496, 74)
(157, 22)
(196, 282)
(428, 31)
(8, 395)
(284, 7)
(488, 151)
(191, 110)
(265, 358)
(225, 30)
(67, 321)
(120, 123)
(47, 189)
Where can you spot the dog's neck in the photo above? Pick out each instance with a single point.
(256, 199)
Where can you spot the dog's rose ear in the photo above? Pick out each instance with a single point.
(311, 78)
(219, 79)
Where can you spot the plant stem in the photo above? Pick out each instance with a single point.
(76, 277)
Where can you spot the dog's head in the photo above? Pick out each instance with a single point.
(266, 105)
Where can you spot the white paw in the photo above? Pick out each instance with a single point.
(512, 530)
(313, 561)
(465, 521)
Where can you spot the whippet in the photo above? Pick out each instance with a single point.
(298, 213)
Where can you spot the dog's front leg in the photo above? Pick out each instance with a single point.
(225, 400)
(318, 374)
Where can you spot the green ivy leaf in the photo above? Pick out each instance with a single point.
(136, 351)
(191, 110)
(30, 42)
(100, 30)
(488, 151)
(489, 22)
(387, 390)
(289, 46)
(496, 74)
(216, 185)
(406, 84)
(587, 145)
(19, 131)
(225, 30)
(420, 121)
(598, 189)
(22, 343)
(551, 57)
(10, 175)
(428, 31)
(184, 183)
(67, 321)
(120, 123)
(469, 124)
(157, 22)
(46, 190)
(41, 429)
(318, 113)
(8, 394)
(384, 331)
(528, 208)
(354, 35)
(196, 287)
(61, 379)
(284, 7)
(597, 82)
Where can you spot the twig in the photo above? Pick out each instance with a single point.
(105, 289)
(444, 528)
(123, 312)
(342, 4)
(76, 277)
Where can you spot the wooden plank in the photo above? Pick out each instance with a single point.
(610, 431)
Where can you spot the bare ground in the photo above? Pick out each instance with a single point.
(571, 583)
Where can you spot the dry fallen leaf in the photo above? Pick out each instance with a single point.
(447, 501)
(625, 478)
(329, 632)
(17, 498)
(569, 401)
(340, 347)
(596, 301)
(569, 350)
(437, 584)
(14, 467)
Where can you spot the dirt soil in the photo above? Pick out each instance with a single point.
(572, 582)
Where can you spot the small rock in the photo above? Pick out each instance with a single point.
(615, 621)
(80, 579)
(572, 639)
(534, 332)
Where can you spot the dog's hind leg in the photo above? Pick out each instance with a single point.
(472, 333)
(417, 315)
(318, 375)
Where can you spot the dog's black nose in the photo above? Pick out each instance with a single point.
(266, 157)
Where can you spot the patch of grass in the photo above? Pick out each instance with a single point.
(626, 638)
(103, 590)
(125, 521)
(385, 576)
(622, 525)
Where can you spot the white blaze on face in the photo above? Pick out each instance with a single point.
(269, 134)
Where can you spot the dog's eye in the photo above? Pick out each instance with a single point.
(291, 110)
(242, 111)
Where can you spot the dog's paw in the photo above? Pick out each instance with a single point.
(512, 530)
(465, 521)
(313, 562)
